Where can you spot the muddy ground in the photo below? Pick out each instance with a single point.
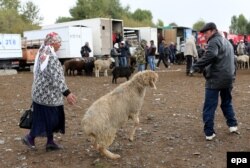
(170, 133)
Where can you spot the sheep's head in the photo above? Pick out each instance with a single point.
(111, 62)
(112, 65)
(146, 78)
(111, 59)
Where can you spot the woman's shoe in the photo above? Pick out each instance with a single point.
(26, 142)
(53, 147)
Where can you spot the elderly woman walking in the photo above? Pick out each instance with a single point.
(48, 90)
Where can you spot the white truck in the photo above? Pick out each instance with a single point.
(149, 33)
(103, 32)
(73, 38)
(10, 50)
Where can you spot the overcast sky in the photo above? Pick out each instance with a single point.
(182, 12)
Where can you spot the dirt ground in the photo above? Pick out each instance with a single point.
(170, 133)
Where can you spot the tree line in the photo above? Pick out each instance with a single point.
(16, 17)
(239, 25)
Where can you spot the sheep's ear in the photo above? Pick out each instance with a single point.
(152, 84)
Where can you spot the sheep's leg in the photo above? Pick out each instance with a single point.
(108, 154)
(136, 124)
(105, 72)
(96, 73)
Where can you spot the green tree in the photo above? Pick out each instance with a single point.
(10, 4)
(160, 23)
(15, 19)
(248, 28)
(85, 9)
(141, 15)
(242, 23)
(233, 28)
(63, 19)
(11, 21)
(30, 13)
(198, 25)
(239, 25)
(173, 24)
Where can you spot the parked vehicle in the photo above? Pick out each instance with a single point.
(131, 34)
(73, 38)
(103, 32)
(177, 34)
(149, 33)
(10, 50)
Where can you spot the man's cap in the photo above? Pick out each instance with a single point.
(208, 26)
(123, 42)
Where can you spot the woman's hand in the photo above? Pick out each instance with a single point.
(71, 98)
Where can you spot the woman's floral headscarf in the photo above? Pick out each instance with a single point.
(52, 38)
(42, 56)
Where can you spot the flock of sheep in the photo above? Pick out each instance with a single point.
(88, 64)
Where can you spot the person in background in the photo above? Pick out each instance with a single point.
(128, 45)
(115, 54)
(190, 53)
(124, 50)
(114, 37)
(146, 54)
(167, 53)
(48, 89)
(172, 47)
(140, 55)
(219, 72)
(151, 55)
(162, 55)
(119, 38)
(179, 56)
(85, 50)
(234, 46)
(182, 47)
(248, 48)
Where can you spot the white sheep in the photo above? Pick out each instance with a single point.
(111, 111)
(103, 64)
(242, 60)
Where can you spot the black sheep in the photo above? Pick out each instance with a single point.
(88, 68)
(122, 72)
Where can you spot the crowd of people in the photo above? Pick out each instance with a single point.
(144, 54)
(241, 48)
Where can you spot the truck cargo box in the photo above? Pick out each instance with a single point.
(10, 50)
(103, 30)
(73, 38)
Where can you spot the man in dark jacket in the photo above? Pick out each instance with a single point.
(162, 55)
(123, 57)
(85, 50)
(151, 55)
(220, 74)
